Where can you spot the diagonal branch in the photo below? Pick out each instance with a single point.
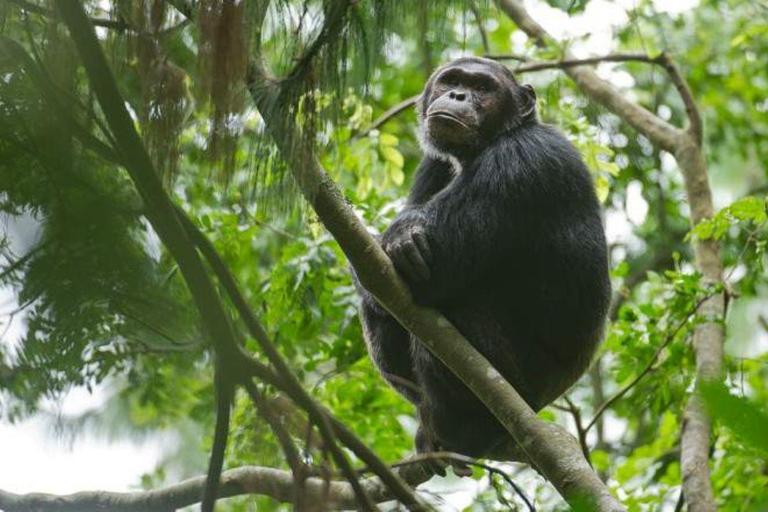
(164, 219)
(391, 113)
(160, 212)
(472, 5)
(554, 451)
(695, 127)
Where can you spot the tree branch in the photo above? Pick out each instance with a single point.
(275, 483)
(328, 425)
(580, 430)
(391, 113)
(463, 459)
(695, 127)
(291, 452)
(160, 210)
(657, 130)
(163, 216)
(472, 5)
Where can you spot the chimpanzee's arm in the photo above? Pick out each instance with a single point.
(472, 228)
(432, 176)
(388, 344)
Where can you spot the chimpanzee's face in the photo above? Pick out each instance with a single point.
(466, 103)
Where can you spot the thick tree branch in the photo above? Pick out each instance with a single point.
(275, 483)
(160, 210)
(707, 339)
(164, 219)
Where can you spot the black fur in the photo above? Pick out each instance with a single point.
(517, 261)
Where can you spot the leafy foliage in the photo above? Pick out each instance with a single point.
(100, 302)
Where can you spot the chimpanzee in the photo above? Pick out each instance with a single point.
(502, 233)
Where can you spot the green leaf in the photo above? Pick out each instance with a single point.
(600, 460)
(397, 175)
(610, 167)
(749, 209)
(746, 419)
(387, 139)
(602, 187)
(393, 156)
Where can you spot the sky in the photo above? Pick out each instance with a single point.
(35, 459)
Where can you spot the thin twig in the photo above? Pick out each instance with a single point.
(680, 502)
(119, 25)
(508, 56)
(580, 430)
(390, 113)
(750, 239)
(225, 391)
(20, 262)
(695, 127)
(528, 67)
(457, 457)
(292, 456)
(330, 30)
(472, 4)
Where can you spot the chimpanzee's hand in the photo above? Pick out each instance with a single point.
(406, 244)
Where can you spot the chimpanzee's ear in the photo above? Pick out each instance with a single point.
(527, 101)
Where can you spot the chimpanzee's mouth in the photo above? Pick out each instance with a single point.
(441, 114)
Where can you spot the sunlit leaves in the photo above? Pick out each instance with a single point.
(597, 156)
(747, 419)
(749, 210)
(367, 162)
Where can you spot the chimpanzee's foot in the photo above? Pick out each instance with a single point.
(427, 444)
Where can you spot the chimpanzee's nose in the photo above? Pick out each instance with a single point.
(457, 95)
